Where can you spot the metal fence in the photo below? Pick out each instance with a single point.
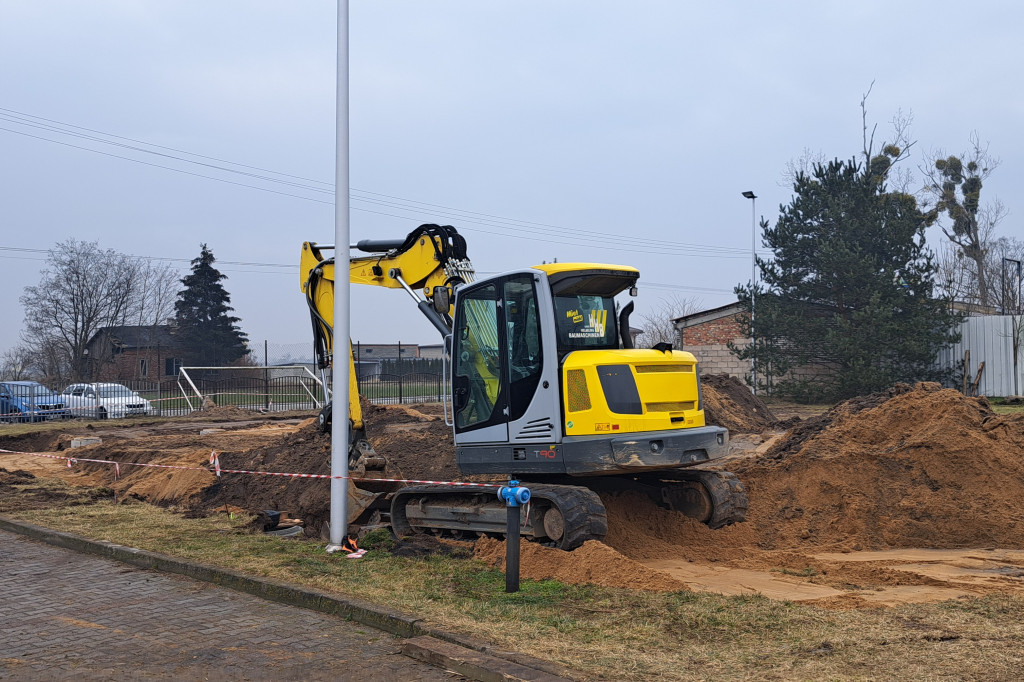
(265, 394)
(29, 401)
(391, 389)
(986, 351)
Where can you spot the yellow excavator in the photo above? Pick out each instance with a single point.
(543, 385)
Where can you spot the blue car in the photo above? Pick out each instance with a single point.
(24, 401)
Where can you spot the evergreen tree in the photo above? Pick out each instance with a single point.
(846, 304)
(209, 336)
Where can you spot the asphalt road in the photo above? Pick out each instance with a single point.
(67, 615)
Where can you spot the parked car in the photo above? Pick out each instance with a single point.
(23, 401)
(100, 401)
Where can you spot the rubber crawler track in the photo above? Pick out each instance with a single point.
(581, 508)
(728, 497)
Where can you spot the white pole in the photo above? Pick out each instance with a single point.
(339, 376)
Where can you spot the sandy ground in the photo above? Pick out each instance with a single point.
(906, 496)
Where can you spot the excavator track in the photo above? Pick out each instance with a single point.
(563, 516)
(716, 498)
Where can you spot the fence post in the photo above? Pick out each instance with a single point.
(266, 379)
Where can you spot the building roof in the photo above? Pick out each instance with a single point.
(144, 336)
(728, 310)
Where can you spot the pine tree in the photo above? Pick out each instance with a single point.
(209, 336)
(846, 304)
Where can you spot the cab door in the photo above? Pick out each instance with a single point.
(479, 367)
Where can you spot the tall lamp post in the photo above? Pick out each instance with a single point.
(753, 277)
(342, 337)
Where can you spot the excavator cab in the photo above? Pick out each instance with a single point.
(545, 381)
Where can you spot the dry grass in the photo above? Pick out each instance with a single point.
(1000, 407)
(606, 633)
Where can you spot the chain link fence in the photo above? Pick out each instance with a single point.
(278, 377)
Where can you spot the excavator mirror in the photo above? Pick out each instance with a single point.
(633, 292)
(441, 299)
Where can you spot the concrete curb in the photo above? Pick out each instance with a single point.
(469, 657)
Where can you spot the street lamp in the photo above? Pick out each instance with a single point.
(753, 277)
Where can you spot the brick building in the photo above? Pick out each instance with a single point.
(132, 352)
(706, 335)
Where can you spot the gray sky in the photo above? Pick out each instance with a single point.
(582, 130)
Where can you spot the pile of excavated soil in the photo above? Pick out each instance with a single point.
(304, 451)
(905, 468)
(909, 467)
(592, 564)
(224, 412)
(729, 403)
(640, 529)
(413, 438)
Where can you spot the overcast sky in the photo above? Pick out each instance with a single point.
(582, 130)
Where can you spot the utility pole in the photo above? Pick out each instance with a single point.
(340, 361)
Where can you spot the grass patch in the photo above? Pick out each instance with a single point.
(1000, 406)
(807, 572)
(607, 633)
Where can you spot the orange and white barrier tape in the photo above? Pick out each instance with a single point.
(216, 469)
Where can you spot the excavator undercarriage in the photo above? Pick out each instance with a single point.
(561, 515)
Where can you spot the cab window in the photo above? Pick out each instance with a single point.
(585, 321)
(478, 359)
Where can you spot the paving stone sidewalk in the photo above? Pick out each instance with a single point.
(67, 615)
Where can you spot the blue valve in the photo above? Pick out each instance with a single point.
(514, 494)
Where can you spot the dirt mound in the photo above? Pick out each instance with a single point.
(413, 438)
(225, 413)
(913, 466)
(592, 564)
(640, 529)
(8, 478)
(172, 479)
(306, 451)
(729, 403)
(45, 441)
(809, 428)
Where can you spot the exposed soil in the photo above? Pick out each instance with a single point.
(728, 402)
(911, 467)
(911, 494)
(595, 563)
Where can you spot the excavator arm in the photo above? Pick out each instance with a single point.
(431, 259)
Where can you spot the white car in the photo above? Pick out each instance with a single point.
(100, 401)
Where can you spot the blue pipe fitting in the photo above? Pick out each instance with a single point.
(514, 494)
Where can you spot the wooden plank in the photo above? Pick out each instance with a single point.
(967, 370)
(977, 379)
